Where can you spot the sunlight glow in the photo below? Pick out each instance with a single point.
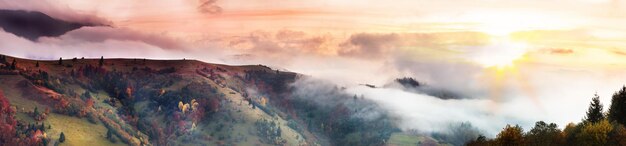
(501, 54)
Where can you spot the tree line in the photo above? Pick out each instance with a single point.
(597, 128)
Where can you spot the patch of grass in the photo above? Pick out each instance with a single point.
(78, 131)
(398, 139)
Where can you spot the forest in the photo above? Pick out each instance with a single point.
(597, 128)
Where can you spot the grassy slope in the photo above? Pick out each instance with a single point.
(77, 131)
(81, 132)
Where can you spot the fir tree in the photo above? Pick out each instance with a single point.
(62, 137)
(37, 64)
(60, 61)
(101, 63)
(617, 111)
(594, 113)
(42, 127)
(36, 111)
(3, 59)
(109, 134)
(14, 64)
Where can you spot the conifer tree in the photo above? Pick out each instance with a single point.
(594, 113)
(62, 137)
(617, 111)
(14, 64)
(101, 63)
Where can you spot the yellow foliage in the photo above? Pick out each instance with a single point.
(185, 108)
(263, 101)
(194, 104)
(180, 105)
(510, 136)
(595, 133)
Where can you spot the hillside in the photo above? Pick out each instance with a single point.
(179, 102)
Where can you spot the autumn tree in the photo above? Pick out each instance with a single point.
(510, 136)
(617, 135)
(594, 134)
(7, 122)
(594, 113)
(544, 134)
(481, 140)
(617, 111)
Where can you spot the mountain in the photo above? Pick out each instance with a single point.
(411, 85)
(178, 102)
(32, 25)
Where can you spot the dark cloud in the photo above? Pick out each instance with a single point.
(55, 10)
(32, 25)
(209, 7)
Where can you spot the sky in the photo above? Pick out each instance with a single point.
(518, 61)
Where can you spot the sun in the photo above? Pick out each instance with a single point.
(500, 54)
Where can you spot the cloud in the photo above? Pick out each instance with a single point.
(53, 48)
(560, 51)
(369, 45)
(376, 45)
(55, 10)
(32, 25)
(209, 7)
(102, 34)
(276, 48)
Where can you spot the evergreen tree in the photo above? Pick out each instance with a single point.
(36, 111)
(14, 64)
(42, 127)
(86, 95)
(101, 63)
(37, 64)
(60, 61)
(617, 111)
(3, 59)
(594, 113)
(62, 138)
(109, 134)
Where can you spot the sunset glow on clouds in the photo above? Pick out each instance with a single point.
(502, 51)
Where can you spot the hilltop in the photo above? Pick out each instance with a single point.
(171, 102)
